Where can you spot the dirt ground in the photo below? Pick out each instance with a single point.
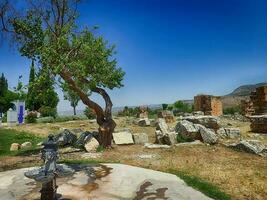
(239, 174)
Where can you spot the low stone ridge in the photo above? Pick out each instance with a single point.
(250, 146)
(140, 138)
(156, 146)
(211, 122)
(124, 137)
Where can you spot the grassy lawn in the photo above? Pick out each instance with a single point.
(9, 136)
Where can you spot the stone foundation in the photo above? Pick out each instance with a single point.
(258, 123)
(210, 105)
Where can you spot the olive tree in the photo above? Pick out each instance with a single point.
(49, 33)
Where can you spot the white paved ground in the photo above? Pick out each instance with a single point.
(114, 181)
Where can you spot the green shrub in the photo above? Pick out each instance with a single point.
(164, 106)
(89, 113)
(47, 111)
(31, 117)
(181, 139)
(4, 118)
(231, 110)
(180, 106)
(45, 120)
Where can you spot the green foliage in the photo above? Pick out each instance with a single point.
(181, 139)
(60, 119)
(89, 113)
(180, 106)
(203, 186)
(31, 95)
(100, 148)
(47, 111)
(232, 110)
(128, 112)
(71, 96)
(31, 117)
(83, 59)
(6, 96)
(20, 90)
(9, 136)
(164, 106)
(45, 93)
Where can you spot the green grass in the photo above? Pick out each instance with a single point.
(203, 186)
(9, 136)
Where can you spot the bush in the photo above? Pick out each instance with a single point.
(182, 107)
(31, 117)
(4, 118)
(232, 110)
(47, 111)
(89, 113)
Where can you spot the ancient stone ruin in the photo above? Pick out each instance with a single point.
(259, 119)
(247, 108)
(167, 115)
(210, 105)
(142, 112)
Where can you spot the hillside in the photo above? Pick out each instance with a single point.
(241, 93)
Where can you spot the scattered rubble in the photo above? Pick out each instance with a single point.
(229, 133)
(163, 133)
(207, 121)
(124, 137)
(140, 138)
(91, 145)
(187, 130)
(66, 137)
(14, 147)
(208, 135)
(143, 122)
(258, 123)
(167, 115)
(250, 146)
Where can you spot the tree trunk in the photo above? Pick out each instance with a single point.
(74, 110)
(104, 118)
(105, 133)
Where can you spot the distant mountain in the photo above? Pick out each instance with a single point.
(245, 90)
(241, 93)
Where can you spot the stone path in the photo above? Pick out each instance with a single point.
(102, 182)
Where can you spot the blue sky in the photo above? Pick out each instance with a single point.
(173, 49)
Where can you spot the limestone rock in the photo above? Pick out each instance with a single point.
(229, 132)
(143, 122)
(91, 145)
(208, 135)
(26, 145)
(207, 121)
(140, 138)
(162, 126)
(14, 147)
(250, 146)
(66, 137)
(188, 130)
(124, 137)
(84, 137)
